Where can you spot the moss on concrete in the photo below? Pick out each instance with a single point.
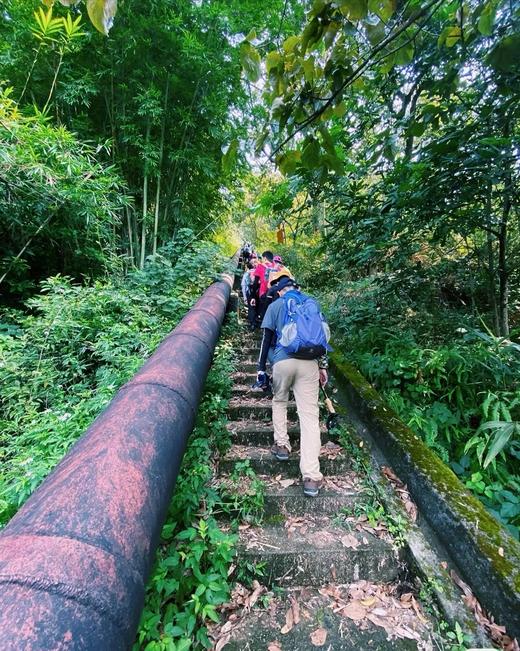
(490, 541)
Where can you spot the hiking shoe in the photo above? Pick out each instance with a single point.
(280, 453)
(311, 488)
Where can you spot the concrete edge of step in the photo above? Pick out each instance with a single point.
(440, 517)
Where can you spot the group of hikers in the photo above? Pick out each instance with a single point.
(295, 338)
(261, 273)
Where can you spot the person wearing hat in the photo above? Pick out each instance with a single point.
(303, 376)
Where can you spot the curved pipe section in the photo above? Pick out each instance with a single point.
(75, 559)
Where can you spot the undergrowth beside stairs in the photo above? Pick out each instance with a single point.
(190, 580)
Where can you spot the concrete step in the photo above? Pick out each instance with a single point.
(246, 390)
(259, 411)
(314, 554)
(258, 628)
(250, 366)
(292, 501)
(246, 432)
(242, 377)
(263, 462)
(249, 359)
(250, 351)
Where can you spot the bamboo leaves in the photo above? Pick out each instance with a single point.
(47, 27)
(101, 12)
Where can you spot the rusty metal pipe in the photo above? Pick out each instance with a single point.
(75, 559)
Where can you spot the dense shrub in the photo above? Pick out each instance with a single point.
(62, 362)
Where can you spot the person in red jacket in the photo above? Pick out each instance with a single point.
(261, 284)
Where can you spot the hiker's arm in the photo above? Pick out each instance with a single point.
(264, 349)
(323, 363)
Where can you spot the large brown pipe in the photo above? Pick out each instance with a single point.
(75, 559)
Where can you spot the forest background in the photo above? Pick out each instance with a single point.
(382, 134)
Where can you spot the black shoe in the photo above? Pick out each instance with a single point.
(311, 488)
(280, 453)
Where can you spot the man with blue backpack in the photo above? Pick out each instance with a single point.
(295, 339)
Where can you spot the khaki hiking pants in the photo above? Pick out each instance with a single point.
(302, 376)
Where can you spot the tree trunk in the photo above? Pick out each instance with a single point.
(410, 137)
(491, 282)
(130, 235)
(503, 271)
(161, 152)
(492, 289)
(145, 202)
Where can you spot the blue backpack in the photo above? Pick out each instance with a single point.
(305, 333)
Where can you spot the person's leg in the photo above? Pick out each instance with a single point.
(264, 302)
(283, 375)
(306, 389)
(251, 313)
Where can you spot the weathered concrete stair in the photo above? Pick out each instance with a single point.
(261, 628)
(292, 501)
(316, 556)
(263, 462)
(260, 411)
(247, 432)
(302, 545)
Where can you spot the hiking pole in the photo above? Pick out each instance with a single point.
(333, 419)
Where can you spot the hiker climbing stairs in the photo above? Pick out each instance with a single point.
(333, 576)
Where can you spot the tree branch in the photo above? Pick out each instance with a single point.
(366, 63)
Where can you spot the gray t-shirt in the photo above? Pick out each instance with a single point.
(274, 320)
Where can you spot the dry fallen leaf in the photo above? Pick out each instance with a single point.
(354, 610)
(295, 606)
(253, 598)
(226, 628)
(319, 636)
(285, 483)
(390, 474)
(232, 568)
(274, 646)
(289, 622)
(410, 508)
(350, 541)
(405, 632)
(222, 642)
(369, 602)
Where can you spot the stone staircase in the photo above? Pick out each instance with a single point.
(312, 563)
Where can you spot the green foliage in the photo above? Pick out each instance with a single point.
(57, 204)
(374, 505)
(156, 101)
(62, 362)
(190, 579)
(242, 494)
(452, 392)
